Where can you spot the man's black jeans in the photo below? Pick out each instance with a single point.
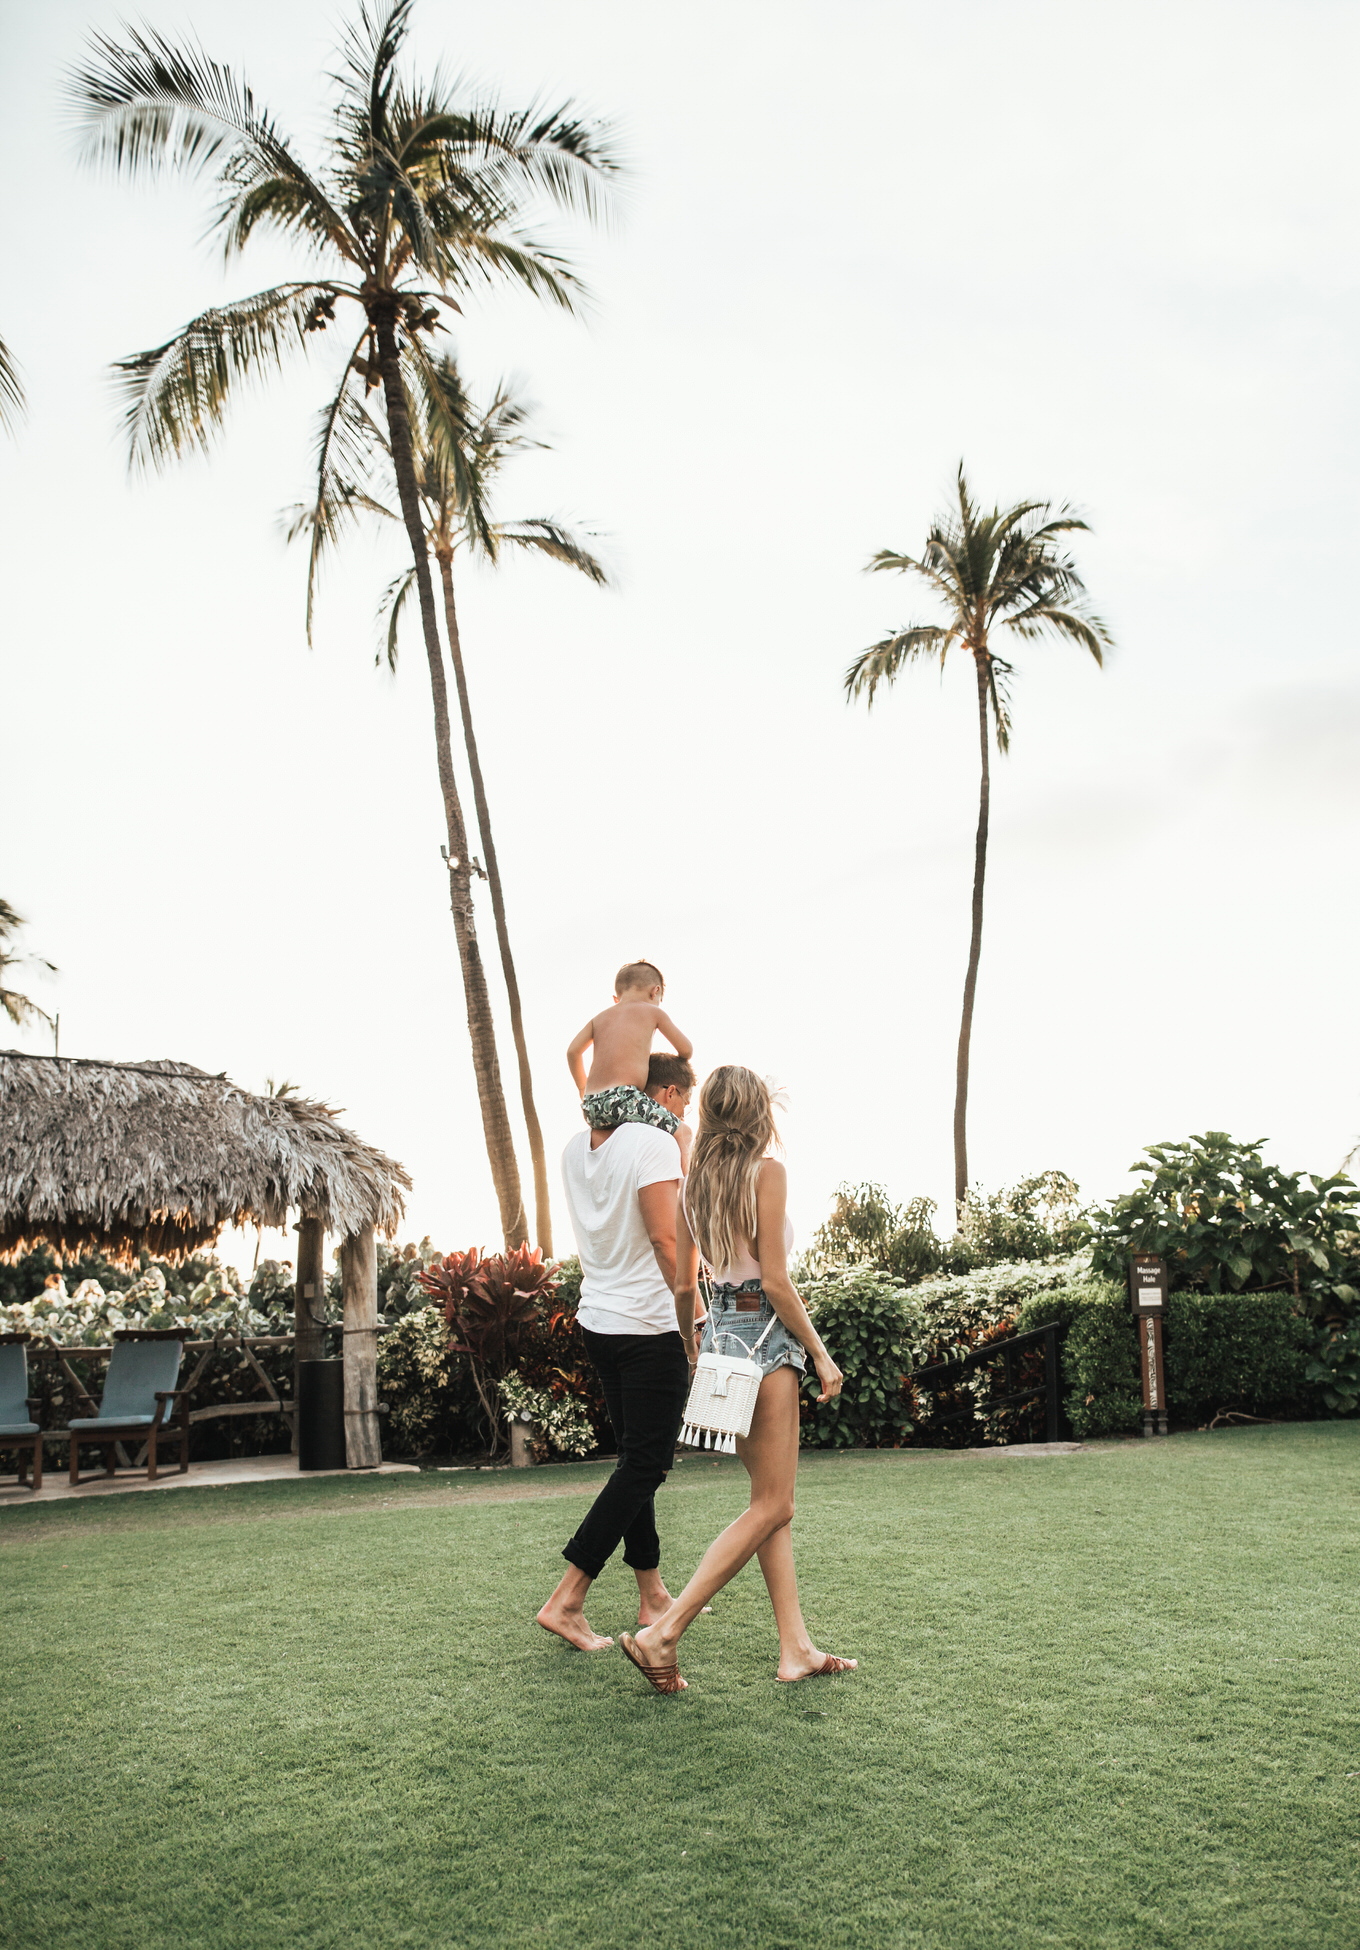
(645, 1378)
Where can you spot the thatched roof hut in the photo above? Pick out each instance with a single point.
(117, 1156)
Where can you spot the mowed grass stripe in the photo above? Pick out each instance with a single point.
(1104, 1700)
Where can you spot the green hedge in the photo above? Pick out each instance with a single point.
(1242, 1352)
(867, 1325)
(1246, 1352)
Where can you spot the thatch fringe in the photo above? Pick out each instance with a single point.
(118, 1156)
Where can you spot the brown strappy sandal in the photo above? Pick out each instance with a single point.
(664, 1679)
(831, 1664)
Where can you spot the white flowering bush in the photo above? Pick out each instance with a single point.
(562, 1426)
(91, 1315)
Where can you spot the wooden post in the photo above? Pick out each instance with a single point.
(359, 1275)
(309, 1299)
(1154, 1375)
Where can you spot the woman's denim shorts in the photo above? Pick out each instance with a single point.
(738, 1331)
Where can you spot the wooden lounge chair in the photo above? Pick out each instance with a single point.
(138, 1390)
(17, 1431)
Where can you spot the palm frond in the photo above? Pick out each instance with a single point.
(393, 599)
(335, 491)
(12, 403)
(567, 156)
(999, 674)
(882, 661)
(21, 1008)
(449, 446)
(1042, 617)
(475, 256)
(151, 104)
(175, 396)
(551, 539)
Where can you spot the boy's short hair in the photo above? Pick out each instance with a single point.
(639, 975)
(667, 1072)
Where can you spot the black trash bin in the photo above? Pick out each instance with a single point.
(321, 1415)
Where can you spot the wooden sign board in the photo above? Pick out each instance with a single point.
(1148, 1289)
(1149, 1283)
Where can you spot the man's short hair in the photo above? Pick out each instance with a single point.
(667, 1072)
(639, 975)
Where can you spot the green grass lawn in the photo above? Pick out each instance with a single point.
(1104, 1700)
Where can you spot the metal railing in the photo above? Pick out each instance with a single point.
(942, 1374)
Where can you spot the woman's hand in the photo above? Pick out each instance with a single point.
(828, 1374)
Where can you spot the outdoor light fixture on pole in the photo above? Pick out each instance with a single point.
(1148, 1288)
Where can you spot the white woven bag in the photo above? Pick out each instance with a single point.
(722, 1397)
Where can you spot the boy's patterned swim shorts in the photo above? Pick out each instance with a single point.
(625, 1104)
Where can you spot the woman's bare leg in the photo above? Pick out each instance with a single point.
(798, 1656)
(770, 1453)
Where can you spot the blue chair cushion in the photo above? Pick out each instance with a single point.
(14, 1383)
(137, 1369)
(103, 1421)
(17, 1428)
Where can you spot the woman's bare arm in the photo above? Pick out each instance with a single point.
(686, 1278)
(771, 1202)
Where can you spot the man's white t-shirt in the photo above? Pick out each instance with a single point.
(622, 1290)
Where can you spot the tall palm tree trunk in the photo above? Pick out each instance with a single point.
(542, 1214)
(974, 956)
(495, 1120)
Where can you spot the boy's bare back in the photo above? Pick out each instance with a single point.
(621, 1037)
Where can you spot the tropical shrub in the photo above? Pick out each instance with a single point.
(433, 1408)
(560, 1425)
(1334, 1369)
(1226, 1222)
(964, 1313)
(1098, 1354)
(553, 1355)
(1040, 1218)
(866, 1229)
(865, 1320)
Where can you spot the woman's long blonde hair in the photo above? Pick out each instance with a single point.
(736, 1129)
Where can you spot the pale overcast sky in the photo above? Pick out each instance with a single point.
(1104, 253)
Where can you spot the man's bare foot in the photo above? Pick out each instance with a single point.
(654, 1605)
(571, 1626)
(809, 1663)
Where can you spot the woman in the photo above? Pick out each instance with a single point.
(732, 1213)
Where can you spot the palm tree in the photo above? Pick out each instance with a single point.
(11, 391)
(19, 1008)
(423, 196)
(457, 450)
(997, 570)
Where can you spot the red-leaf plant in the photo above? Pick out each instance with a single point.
(490, 1305)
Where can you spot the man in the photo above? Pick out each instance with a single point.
(621, 1187)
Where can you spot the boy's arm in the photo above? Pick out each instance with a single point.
(680, 1043)
(576, 1049)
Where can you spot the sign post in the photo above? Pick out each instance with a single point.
(1148, 1288)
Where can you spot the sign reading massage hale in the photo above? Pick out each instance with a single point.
(1149, 1285)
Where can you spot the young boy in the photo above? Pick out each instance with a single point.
(616, 1090)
